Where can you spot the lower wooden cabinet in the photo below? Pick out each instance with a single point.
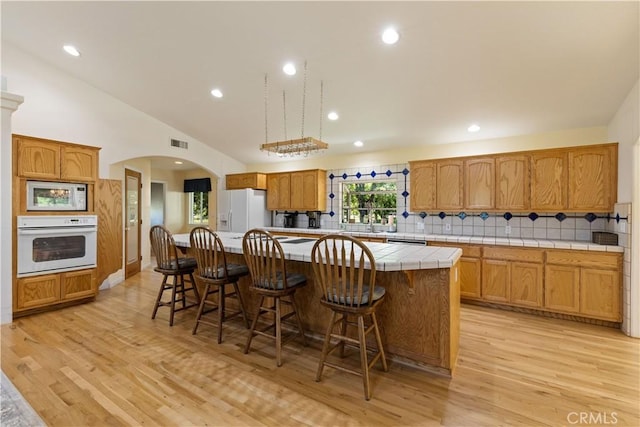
(50, 289)
(38, 291)
(470, 277)
(470, 268)
(513, 276)
(586, 284)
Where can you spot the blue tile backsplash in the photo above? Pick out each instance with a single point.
(534, 225)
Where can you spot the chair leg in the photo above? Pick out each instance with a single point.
(195, 288)
(201, 309)
(221, 297)
(241, 303)
(253, 325)
(298, 320)
(325, 345)
(160, 292)
(343, 332)
(379, 342)
(363, 358)
(278, 333)
(182, 291)
(173, 299)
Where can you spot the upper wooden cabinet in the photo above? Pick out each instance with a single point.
(549, 180)
(279, 191)
(592, 180)
(239, 181)
(423, 185)
(300, 190)
(449, 184)
(573, 179)
(51, 160)
(512, 182)
(309, 190)
(479, 183)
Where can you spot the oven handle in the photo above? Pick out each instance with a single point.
(57, 230)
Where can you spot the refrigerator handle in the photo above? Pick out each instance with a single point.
(230, 221)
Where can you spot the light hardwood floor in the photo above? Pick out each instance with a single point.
(108, 363)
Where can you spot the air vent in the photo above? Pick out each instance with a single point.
(179, 144)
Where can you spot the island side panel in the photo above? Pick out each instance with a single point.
(419, 325)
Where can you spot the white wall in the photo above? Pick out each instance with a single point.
(61, 107)
(625, 128)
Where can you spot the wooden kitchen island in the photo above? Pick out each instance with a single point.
(420, 317)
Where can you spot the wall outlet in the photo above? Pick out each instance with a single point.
(447, 227)
(622, 227)
(507, 229)
(419, 225)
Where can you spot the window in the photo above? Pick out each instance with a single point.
(199, 207)
(369, 202)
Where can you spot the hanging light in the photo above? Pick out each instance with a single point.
(302, 146)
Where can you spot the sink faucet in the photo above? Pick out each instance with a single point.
(369, 227)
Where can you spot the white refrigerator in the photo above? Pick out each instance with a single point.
(247, 210)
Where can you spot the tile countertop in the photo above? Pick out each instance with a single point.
(474, 240)
(388, 257)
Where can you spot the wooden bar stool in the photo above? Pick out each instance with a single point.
(214, 274)
(269, 279)
(346, 271)
(172, 265)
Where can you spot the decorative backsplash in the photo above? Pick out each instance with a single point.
(559, 226)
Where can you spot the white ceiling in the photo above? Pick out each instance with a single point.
(512, 67)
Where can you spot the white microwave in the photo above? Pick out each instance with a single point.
(56, 196)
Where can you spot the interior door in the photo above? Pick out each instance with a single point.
(132, 245)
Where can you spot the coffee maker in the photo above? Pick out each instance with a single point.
(314, 219)
(290, 219)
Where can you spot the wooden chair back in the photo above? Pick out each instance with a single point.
(265, 259)
(209, 253)
(345, 270)
(164, 248)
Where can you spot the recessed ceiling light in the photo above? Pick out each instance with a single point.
(289, 69)
(473, 128)
(71, 50)
(333, 116)
(178, 162)
(217, 93)
(358, 143)
(390, 36)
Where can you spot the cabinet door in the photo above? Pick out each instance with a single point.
(562, 288)
(600, 294)
(526, 284)
(308, 190)
(549, 181)
(470, 277)
(449, 181)
(422, 186)
(38, 291)
(590, 179)
(495, 280)
(78, 284)
(512, 182)
(480, 179)
(79, 163)
(240, 181)
(278, 191)
(38, 159)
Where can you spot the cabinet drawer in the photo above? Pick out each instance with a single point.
(469, 251)
(585, 259)
(514, 254)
